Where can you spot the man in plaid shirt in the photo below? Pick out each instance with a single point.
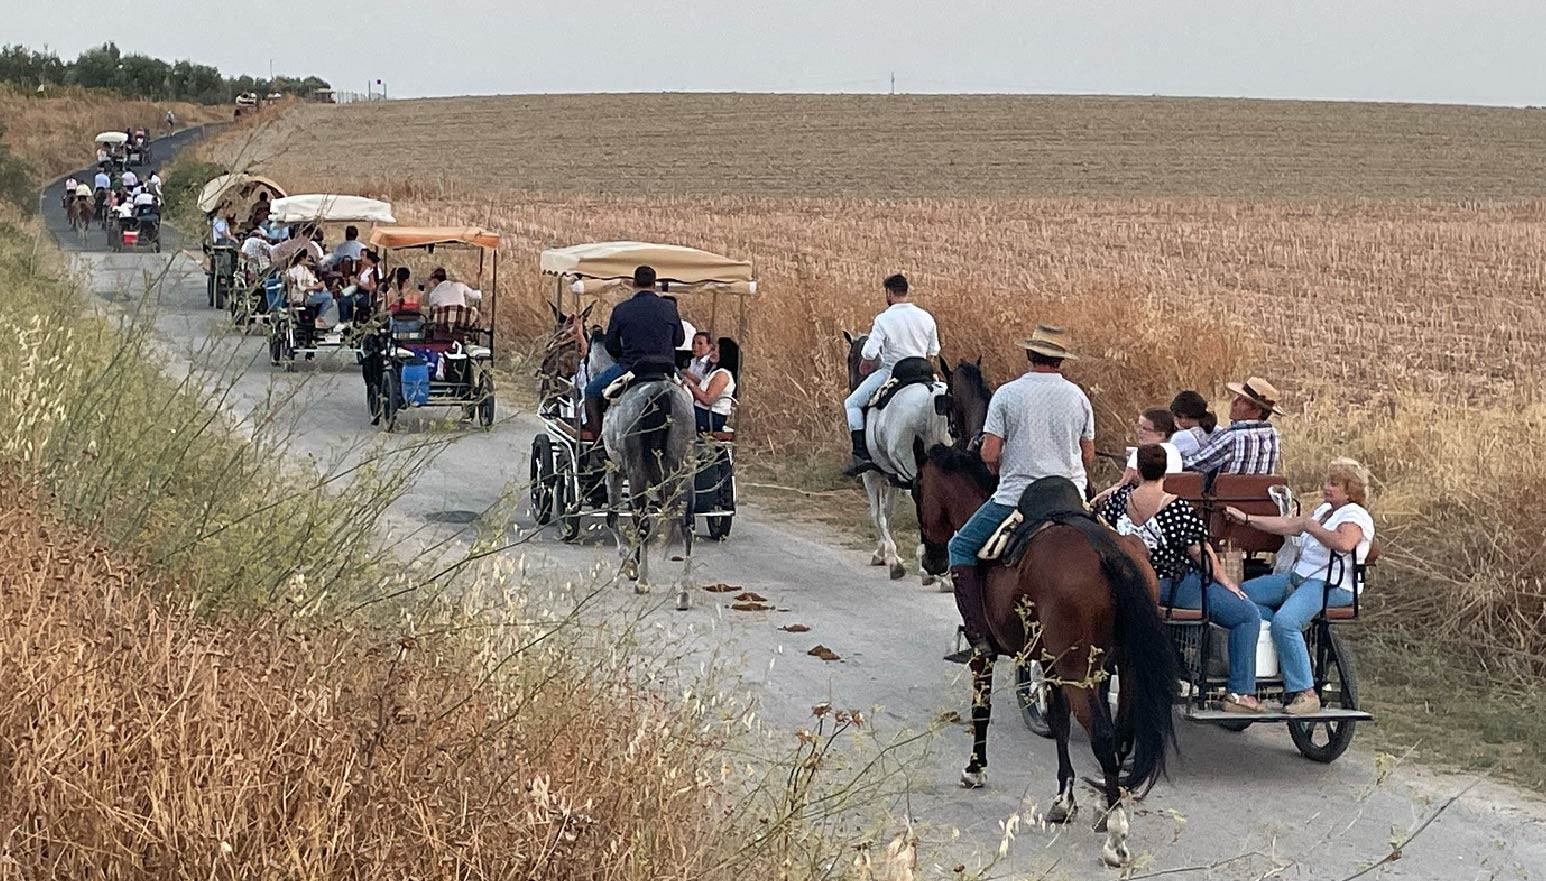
(1250, 444)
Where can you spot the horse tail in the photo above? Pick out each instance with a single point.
(1147, 660)
(654, 430)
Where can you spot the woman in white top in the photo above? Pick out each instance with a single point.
(1332, 538)
(1153, 426)
(1195, 423)
(714, 393)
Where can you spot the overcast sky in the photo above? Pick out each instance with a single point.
(1389, 50)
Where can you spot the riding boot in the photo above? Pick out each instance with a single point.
(594, 409)
(861, 455)
(968, 584)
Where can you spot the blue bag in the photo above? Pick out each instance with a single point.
(415, 379)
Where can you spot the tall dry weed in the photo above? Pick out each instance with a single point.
(54, 132)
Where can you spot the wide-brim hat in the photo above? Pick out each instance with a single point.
(1051, 341)
(1259, 392)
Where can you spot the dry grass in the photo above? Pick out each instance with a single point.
(141, 742)
(53, 132)
(1381, 261)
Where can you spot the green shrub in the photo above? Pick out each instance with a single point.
(183, 181)
(18, 184)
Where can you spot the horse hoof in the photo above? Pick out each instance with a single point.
(1060, 814)
(898, 571)
(1115, 857)
(877, 560)
(682, 601)
(640, 587)
(974, 779)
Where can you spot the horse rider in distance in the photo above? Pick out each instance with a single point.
(903, 330)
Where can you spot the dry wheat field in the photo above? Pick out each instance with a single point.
(1383, 262)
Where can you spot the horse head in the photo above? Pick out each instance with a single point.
(969, 394)
(855, 350)
(949, 487)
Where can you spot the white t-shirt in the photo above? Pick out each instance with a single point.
(144, 198)
(902, 331)
(1190, 440)
(1315, 558)
(1172, 457)
(130, 180)
(725, 400)
(1041, 417)
(102, 181)
(219, 229)
(688, 332)
(452, 293)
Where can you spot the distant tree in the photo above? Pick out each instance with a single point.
(140, 76)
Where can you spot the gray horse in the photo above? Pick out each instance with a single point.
(916, 415)
(648, 434)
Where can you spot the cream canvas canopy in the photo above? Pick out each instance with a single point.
(111, 137)
(607, 263)
(217, 189)
(330, 208)
(397, 237)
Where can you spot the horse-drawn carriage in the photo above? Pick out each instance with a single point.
(112, 145)
(230, 282)
(1321, 736)
(137, 152)
(444, 359)
(571, 479)
(295, 321)
(138, 230)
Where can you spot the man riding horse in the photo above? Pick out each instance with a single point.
(1040, 425)
(642, 335)
(902, 331)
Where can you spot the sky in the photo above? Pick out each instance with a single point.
(1478, 52)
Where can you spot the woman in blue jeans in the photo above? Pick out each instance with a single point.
(1178, 547)
(1329, 537)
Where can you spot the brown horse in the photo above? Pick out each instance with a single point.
(1089, 597)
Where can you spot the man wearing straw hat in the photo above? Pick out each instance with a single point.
(1250, 444)
(1040, 425)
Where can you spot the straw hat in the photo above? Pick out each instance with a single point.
(1258, 391)
(1049, 340)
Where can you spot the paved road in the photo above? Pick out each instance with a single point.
(1247, 793)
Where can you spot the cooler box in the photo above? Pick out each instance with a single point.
(415, 377)
(1266, 652)
(274, 292)
(131, 236)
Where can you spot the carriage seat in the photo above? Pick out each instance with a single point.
(908, 371)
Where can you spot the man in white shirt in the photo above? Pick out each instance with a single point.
(220, 230)
(102, 181)
(143, 198)
(349, 249)
(154, 184)
(450, 293)
(902, 331)
(130, 179)
(256, 250)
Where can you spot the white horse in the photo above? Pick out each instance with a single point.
(916, 415)
(648, 433)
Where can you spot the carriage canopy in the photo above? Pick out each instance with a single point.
(613, 262)
(398, 237)
(111, 138)
(218, 188)
(330, 208)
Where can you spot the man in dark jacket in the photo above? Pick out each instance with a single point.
(642, 335)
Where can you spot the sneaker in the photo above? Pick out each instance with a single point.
(1233, 703)
(1304, 702)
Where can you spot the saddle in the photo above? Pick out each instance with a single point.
(1048, 501)
(908, 371)
(616, 387)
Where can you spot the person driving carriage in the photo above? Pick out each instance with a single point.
(643, 334)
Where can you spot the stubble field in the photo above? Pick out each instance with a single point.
(1382, 262)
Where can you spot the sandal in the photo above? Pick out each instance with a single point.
(1236, 703)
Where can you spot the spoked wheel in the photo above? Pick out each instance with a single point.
(1031, 695)
(390, 398)
(1325, 740)
(275, 344)
(541, 476)
(566, 500)
(485, 402)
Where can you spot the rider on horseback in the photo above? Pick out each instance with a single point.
(643, 334)
(902, 331)
(1040, 425)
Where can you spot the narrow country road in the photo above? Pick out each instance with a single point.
(1247, 795)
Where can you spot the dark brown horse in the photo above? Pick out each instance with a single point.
(1081, 600)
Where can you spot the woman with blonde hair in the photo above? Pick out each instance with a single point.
(1332, 538)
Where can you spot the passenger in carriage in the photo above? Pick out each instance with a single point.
(1154, 426)
(308, 290)
(1331, 539)
(446, 292)
(349, 249)
(368, 282)
(257, 251)
(714, 391)
(1177, 540)
(1250, 444)
(1195, 423)
(402, 296)
(257, 215)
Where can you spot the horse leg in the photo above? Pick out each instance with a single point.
(1103, 742)
(642, 528)
(685, 521)
(881, 493)
(976, 774)
(1063, 807)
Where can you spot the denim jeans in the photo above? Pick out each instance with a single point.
(1237, 615)
(974, 533)
(1290, 608)
(859, 397)
(708, 420)
(600, 381)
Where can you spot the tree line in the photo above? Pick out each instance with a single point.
(140, 76)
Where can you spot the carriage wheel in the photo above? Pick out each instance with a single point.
(566, 500)
(275, 345)
(1031, 695)
(719, 527)
(486, 401)
(390, 396)
(1324, 741)
(541, 487)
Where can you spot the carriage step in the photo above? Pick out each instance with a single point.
(1324, 715)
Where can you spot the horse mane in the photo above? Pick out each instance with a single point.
(971, 374)
(954, 460)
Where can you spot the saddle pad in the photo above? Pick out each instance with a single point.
(999, 540)
(908, 371)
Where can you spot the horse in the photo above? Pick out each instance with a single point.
(912, 416)
(648, 434)
(79, 212)
(561, 354)
(1092, 595)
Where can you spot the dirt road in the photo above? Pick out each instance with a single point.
(1242, 803)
